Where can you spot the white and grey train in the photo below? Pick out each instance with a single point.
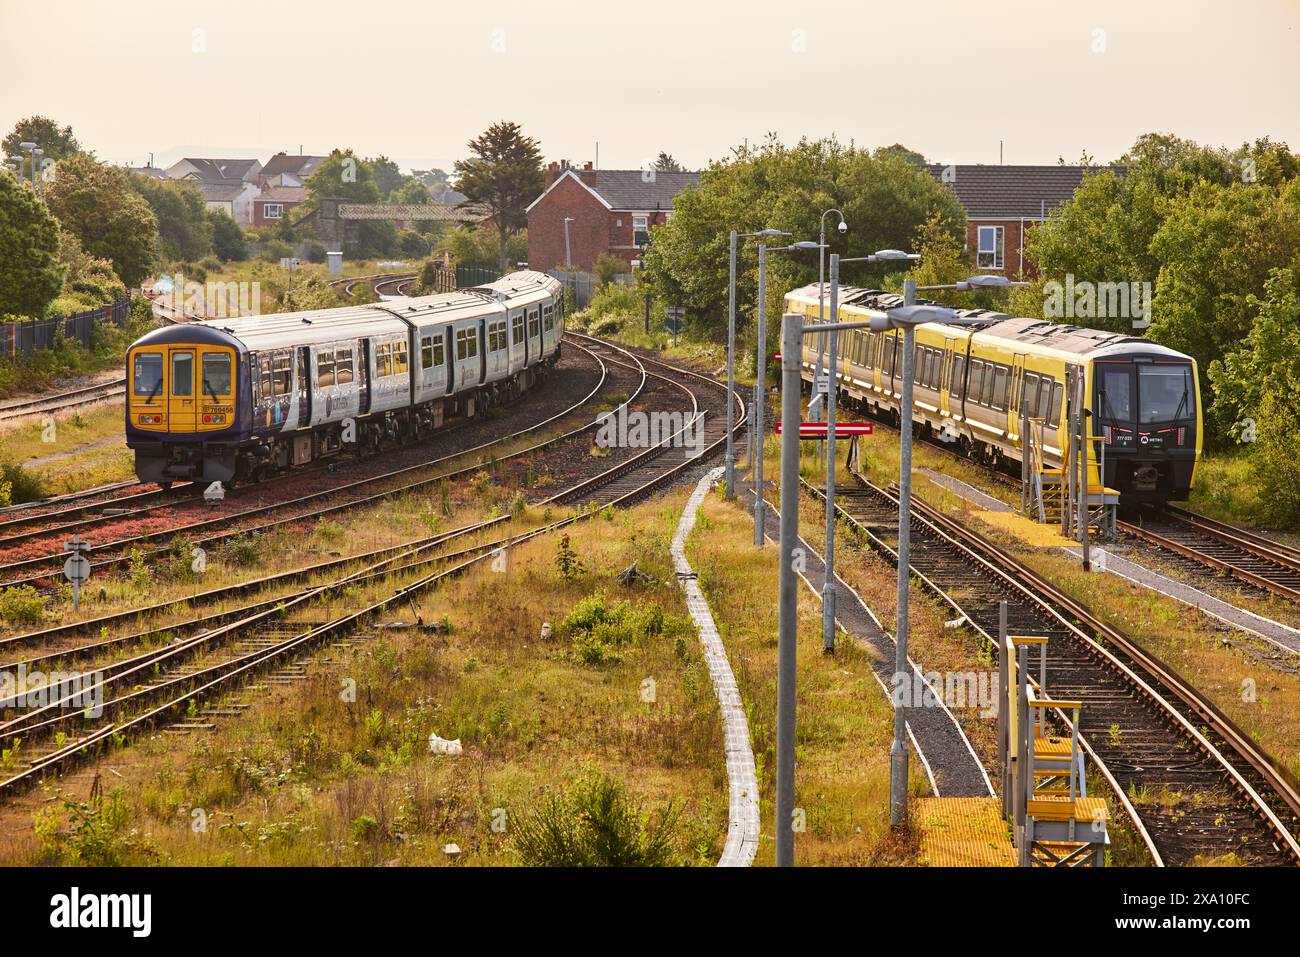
(238, 399)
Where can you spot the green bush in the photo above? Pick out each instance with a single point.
(22, 485)
(594, 824)
(598, 628)
(22, 605)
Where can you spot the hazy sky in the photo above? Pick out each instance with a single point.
(415, 80)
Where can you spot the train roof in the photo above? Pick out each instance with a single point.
(279, 330)
(1078, 341)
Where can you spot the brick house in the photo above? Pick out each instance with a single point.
(274, 204)
(1003, 204)
(609, 211)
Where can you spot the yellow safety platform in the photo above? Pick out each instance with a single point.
(963, 832)
(1026, 529)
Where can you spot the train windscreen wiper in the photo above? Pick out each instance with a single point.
(211, 391)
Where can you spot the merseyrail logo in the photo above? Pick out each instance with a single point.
(131, 911)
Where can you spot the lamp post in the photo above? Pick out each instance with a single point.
(907, 318)
(821, 291)
(28, 148)
(828, 584)
(568, 250)
(731, 352)
(38, 172)
(760, 384)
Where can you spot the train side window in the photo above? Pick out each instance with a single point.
(264, 375)
(325, 368)
(1000, 388)
(534, 324)
(891, 348)
(399, 357)
(517, 328)
(426, 352)
(383, 360)
(343, 366)
(182, 373)
(471, 343)
(460, 344)
(1054, 416)
(973, 390)
(934, 368)
(281, 374)
(438, 350)
(990, 375)
(549, 317)
(1029, 395)
(148, 373)
(958, 370)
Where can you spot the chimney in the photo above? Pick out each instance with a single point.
(588, 175)
(552, 174)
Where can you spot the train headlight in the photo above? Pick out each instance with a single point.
(151, 419)
(214, 418)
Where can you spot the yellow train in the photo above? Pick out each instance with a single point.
(973, 382)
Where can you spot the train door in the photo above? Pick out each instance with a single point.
(303, 374)
(180, 392)
(945, 377)
(482, 350)
(1014, 395)
(363, 377)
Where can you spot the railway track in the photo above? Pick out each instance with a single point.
(37, 570)
(1264, 565)
(153, 686)
(1195, 785)
(61, 401)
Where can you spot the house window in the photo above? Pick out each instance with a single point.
(990, 247)
(640, 230)
(272, 210)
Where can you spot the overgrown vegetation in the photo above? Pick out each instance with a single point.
(593, 823)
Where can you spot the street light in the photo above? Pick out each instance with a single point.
(38, 173)
(908, 317)
(568, 251)
(828, 582)
(27, 148)
(821, 289)
(760, 384)
(731, 353)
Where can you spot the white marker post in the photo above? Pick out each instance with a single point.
(77, 568)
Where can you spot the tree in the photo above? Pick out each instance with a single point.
(902, 152)
(666, 164)
(884, 199)
(32, 275)
(45, 133)
(184, 230)
(386, 174)
(341, 175)
(504, 175)
(411, 193)
(1257, 385)
(97, 204)
(228, 240)
(477, 246)
(435, 179)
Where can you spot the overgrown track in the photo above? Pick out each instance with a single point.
(157, 685)
(60, 401)
(1196, 786)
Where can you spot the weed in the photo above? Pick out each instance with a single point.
(22, 605)
(594, 824)
(566, 560)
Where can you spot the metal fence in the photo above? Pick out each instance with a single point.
(585, 285)
(21, 339)
(467, 276)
